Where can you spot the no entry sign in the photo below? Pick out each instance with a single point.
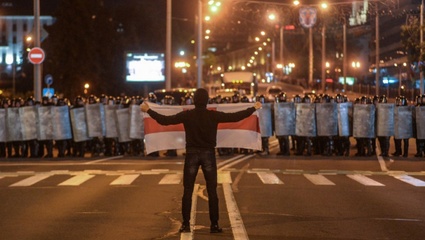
(36, 55)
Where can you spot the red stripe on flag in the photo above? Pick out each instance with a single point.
(152, 126)
(250, 123)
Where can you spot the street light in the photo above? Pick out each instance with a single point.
(86, 88)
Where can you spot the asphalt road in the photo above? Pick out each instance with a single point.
(261, 197)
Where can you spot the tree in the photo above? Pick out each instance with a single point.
(410, 37)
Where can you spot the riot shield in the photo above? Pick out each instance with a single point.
(3, 127)
(79, 126)
(345, 119)
(122, 120)
(61, 123)
(420, 122)
(265, 119)
(110, 122)
(385, 119)
(29, 123)
(364, 121)
(102, 119)
(45, 125)
(13, 125)
(305, 123)
(94, 120)
(284, 117)
(136, 122)
(403, 119)
(327, 119)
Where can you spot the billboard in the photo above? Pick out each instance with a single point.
(145, 67)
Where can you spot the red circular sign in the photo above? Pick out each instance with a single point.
(36, 55)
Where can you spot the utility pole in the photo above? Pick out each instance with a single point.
(37, 67)
(377, 77)
(168, 47)
(199, 44)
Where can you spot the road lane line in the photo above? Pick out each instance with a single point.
(171, 179)
(102, 160)
(381, 160)
(410, 180)
(229, 160)
(364, 180)
(190, 235)
(224, 177)
(238, 228)
(125, 179)
(235, 162)
(76, 180)
(30, 180)
(317, 179)
(269, 178)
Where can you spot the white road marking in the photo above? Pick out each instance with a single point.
(102, 160)
(224, 177)
(125, 179)
(318, 179)
(410, 180)
(229, 160)
(381, 160)
(235, 162)
(269, 178)
(31, 180)
(76, 180)
(238, 228)
(364, 180)
(171, 179)
(190, 235)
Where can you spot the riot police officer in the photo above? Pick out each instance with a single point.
(264, 139)
(79, 148)
(31, 145)
(401, 101)
(283, 140)
(61, 144)
(48, 144)
(384, 142)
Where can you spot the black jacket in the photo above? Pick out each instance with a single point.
(200, 124)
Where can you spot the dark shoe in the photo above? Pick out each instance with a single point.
(215, 229)
(184, 228)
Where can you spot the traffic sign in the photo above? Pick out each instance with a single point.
(48, 79)
(36, 55)
(48, 92)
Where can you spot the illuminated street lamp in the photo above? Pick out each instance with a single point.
(86, 88)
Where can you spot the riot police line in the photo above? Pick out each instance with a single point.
(307, 125)
(108, 126)
(324, 124)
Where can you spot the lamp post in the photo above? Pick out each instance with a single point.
(37, 67)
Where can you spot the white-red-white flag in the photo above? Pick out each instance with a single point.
(242, 134)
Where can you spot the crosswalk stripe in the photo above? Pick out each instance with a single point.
(317, 179)
(224, 177)
(30, 180)
(269, 178)
(171, 179)
(364, 180)
(76, 180)
(410, 180)
(125, 179)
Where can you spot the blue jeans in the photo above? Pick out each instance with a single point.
(205, 159)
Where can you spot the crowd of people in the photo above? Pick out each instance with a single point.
(288, 144)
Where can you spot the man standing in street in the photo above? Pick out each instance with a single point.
(200, 126)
